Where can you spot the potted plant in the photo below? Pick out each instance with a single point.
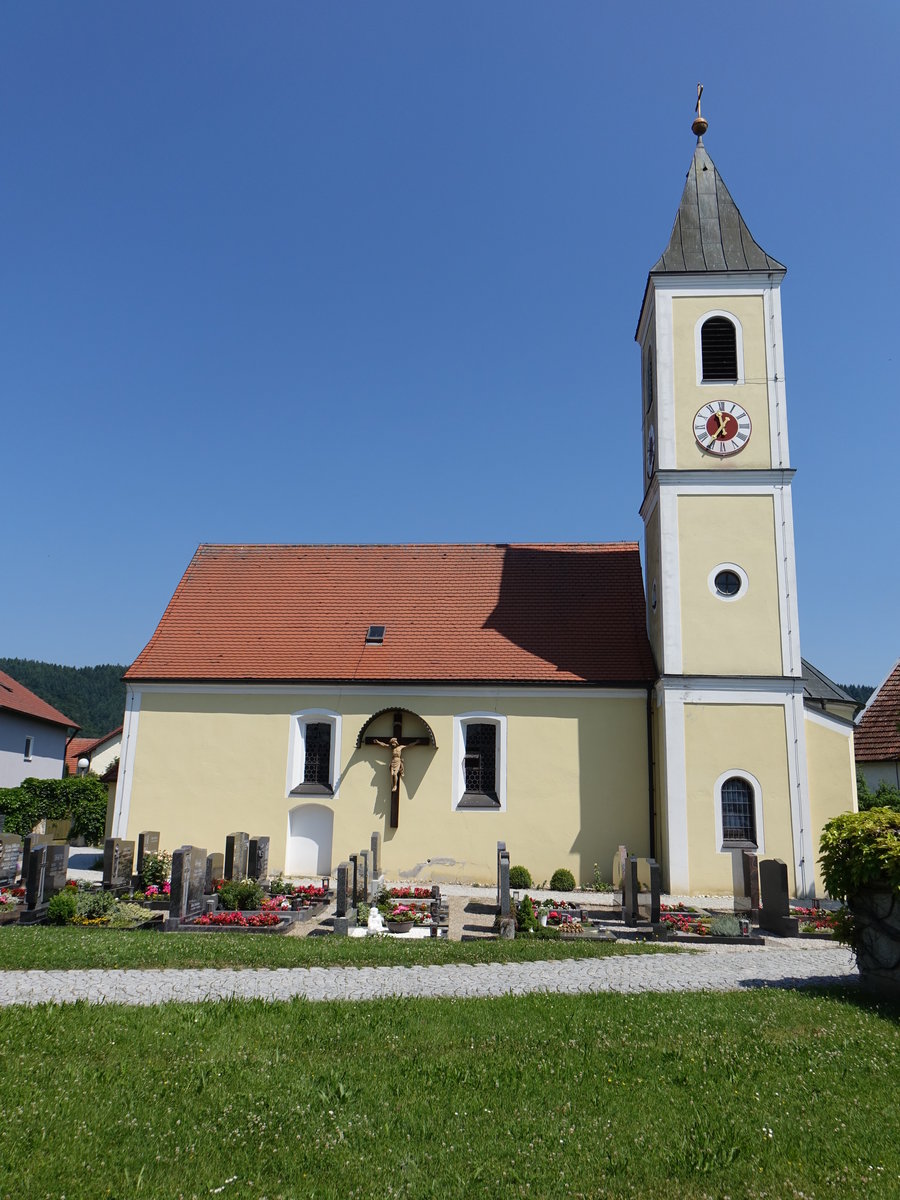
(861, 866)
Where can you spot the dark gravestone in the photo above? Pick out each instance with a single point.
(505, 898)
(750, 899)
(57, 868)
(147, 843)
(630, 892)
(375, 845)
(34, 883)
(118, 864)
(649, 875)
(354, 867)
(775, 913)
(258, 858)
(196, 883)
(30, 842)
(10, 849)
(188, 879)
(215, 869)
(237, 855)
(343, 883)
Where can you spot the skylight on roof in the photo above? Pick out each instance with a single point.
(375, 636)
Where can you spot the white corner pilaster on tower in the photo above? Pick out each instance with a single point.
(126, 761)
(670, 570)
(676, 794)
(778, 431)
(798, 780)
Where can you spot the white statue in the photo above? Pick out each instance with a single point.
(376, 921)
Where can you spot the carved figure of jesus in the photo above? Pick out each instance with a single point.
(396, 760)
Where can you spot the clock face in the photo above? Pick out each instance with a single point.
(722, 427)
(651, 450)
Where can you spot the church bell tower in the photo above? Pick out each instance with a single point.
(729, 751)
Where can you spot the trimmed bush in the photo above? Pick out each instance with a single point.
(62, 907)
(562, 880)
(519, 877)
(859, 849)
(725, 926)
(241, 895)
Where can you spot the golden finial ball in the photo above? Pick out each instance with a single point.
(700, 126)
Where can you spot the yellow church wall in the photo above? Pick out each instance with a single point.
(832, 782)
(729, 637)
(722, 738)
(207, 764)
(690, 395)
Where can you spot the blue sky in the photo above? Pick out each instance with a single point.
(362, 272)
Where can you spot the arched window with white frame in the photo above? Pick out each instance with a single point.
(739, 814)
(314, 753)
(479, 754)
(719, 347)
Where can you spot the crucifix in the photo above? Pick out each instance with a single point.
(397, 744)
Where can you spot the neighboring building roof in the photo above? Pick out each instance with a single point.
(709, 232)
(817, 686)
(79, 746)
(877, 737)
(484, 613)
(14, 697)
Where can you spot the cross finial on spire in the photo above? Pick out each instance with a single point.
(700, 125)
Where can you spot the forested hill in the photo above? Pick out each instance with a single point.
(859, 691)
(92, 697)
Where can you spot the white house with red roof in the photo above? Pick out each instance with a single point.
(877, 737)
(33, 735)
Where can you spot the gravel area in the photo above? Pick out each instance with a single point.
(788, 964)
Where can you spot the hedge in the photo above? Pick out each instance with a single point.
(81, 797)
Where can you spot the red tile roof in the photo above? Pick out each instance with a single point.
(877, 736)
(82, 745)
(500, 613)
(16, 698)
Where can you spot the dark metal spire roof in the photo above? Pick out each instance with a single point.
(709, 232)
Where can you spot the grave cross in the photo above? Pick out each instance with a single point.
(397, 745)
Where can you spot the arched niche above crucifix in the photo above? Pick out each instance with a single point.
(396, 742)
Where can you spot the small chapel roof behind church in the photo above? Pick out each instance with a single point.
(567, 614)
(877, 736)
(709, 233)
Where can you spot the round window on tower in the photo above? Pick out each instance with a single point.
(728, 581)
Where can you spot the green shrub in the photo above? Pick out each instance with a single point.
(126, 916)
(519, 877)
(562, 880)
(241, 894)
(859, 849)
(526, 914)
(280, 887)
(62, 907)
(155, 869)
(725, 926)
(91, 905)
(884, 795)
(83, 798)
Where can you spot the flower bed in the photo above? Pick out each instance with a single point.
(236, 921)
(817, 920)
(410, 893)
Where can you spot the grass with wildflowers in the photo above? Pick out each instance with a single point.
(762, 1094)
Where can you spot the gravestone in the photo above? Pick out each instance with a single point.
(147, 843)
(118, 864)
(188, 879)
(2, 822)
(237, 855)
(749, 902)
(10, 849)
(354, 867)
(342, 897)
(215, 869)
(649, 877)
(375, 847)
(56, 869)
(505, 898)
(630, 892)
(29, 843)
(775, 913)
(34, 883)
(364, 874)
(501, 846)
(258, 858)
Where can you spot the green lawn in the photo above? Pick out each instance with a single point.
(59, 948)
(758, 1094)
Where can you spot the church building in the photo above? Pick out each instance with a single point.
(555, 697)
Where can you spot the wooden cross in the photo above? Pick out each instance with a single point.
(397, 761)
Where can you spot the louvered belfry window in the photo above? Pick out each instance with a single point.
(718, 343)
(480, 764)
(317, 767)
(738, 813)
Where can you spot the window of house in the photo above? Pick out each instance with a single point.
(738, 813)
(29, 748)
(719, 350)
(314, 753)
(479, 741)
